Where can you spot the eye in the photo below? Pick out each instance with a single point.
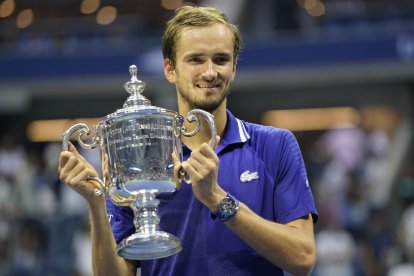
(221, 60)
(195, 60)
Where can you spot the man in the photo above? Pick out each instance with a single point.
(258, 170)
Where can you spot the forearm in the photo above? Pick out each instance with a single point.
(285, 246)
(105, 261)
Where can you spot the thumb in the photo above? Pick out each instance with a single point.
(217, 141)
(72, 149)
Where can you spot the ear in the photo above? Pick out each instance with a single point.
(169, 71)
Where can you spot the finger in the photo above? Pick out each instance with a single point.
(105, 166)
(191, 171)
(74, 151)
(79, 178)
(177, 169)
(63, 159)
(208, 152)
(197, 160)
(65, 155)
(204, 166)
(71, 147)
(72, 169)
(178, 181)
(217, 142)
(70, 163)
(106, 173)
(80, 167)
(73, 166)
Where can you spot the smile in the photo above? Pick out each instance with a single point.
(208, 86)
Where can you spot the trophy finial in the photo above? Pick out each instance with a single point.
(135, 87)
(133, 70)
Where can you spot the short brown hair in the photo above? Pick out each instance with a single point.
(188, 16)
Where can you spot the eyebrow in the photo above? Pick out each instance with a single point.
(223, 54)
(193, 55)
(220, 54)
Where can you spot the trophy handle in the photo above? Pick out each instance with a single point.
(191, 117)
(83, 129)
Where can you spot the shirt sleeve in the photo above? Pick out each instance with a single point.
(121, 220)
(293, 196)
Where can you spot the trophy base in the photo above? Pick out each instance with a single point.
(155, 245)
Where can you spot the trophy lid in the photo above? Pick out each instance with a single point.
(136, 104)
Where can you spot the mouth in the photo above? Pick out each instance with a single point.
(208, 86)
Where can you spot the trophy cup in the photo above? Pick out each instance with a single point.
(137, 142)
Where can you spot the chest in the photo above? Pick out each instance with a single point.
(244, 174)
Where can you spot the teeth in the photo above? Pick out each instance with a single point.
(201, 86)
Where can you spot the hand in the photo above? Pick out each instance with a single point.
(202, 168)
(74, 171)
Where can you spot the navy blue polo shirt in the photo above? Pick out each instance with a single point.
(259, 165)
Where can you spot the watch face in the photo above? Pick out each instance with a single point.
(227, 206)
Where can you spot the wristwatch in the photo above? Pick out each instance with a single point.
(227, 208)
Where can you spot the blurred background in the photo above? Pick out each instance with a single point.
(338, 73)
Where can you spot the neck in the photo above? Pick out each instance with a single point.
(204, 135)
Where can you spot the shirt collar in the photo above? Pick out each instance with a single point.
(235, 132)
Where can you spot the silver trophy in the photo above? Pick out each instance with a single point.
(137, 142)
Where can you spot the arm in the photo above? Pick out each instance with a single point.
(290, 247)
(74, 170)
(105, 261)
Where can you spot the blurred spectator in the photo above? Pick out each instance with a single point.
(346, 146)
(27, 256)
(357, 208)
(336, 250)
(12, 157)
(82, 247)
(405, 185)
(402, 270)
(376, 170)
(343, 150)
(406, 232)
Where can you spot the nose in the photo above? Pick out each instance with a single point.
(210, 72)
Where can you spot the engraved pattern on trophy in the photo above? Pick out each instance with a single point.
(142, 158)
(138, 141)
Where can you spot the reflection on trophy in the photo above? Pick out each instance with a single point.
(138, 142)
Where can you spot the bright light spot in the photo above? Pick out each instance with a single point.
(89, 6)
(7, 8)
(24, 18)
(106, 15)
(51, 130)
(317, 10)
(313, 118)
(171, 4)
(313, 7)
(310, 4)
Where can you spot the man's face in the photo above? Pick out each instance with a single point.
(204, 67)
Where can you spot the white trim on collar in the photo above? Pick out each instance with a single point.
(244, 136)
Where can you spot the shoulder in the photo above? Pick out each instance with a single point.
(264, 135)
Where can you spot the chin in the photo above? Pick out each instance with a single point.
(209, 107)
